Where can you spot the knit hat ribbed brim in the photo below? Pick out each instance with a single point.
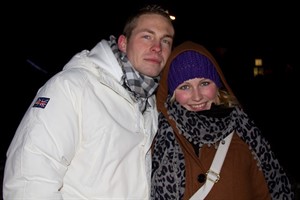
(189, 65)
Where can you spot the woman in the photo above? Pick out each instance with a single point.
(198, 113)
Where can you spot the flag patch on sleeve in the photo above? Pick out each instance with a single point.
(41, 102)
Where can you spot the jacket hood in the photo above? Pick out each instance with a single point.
(100, 56)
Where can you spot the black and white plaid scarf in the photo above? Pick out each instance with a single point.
(141, 87)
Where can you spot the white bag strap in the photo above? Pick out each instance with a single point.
(212, 175)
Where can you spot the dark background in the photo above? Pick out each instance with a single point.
(39, 38)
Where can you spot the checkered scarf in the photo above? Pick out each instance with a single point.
(141, 87)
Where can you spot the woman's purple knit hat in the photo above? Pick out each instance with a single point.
(189, 65)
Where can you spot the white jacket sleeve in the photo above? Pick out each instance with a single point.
(44, 143)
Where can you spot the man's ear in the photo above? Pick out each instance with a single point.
(122, 43)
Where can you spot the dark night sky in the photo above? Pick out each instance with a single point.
(50, 34)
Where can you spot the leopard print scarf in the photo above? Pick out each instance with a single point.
(141, 87)
(209, 127)
(212, 126)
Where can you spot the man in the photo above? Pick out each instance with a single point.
(88, 132)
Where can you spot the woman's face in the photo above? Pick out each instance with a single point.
(197, 94)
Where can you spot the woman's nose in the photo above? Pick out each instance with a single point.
(196, 95)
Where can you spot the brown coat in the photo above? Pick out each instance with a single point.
(240, 178)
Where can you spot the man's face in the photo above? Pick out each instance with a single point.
(150, 44)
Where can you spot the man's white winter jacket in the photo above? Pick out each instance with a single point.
(83, 136)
